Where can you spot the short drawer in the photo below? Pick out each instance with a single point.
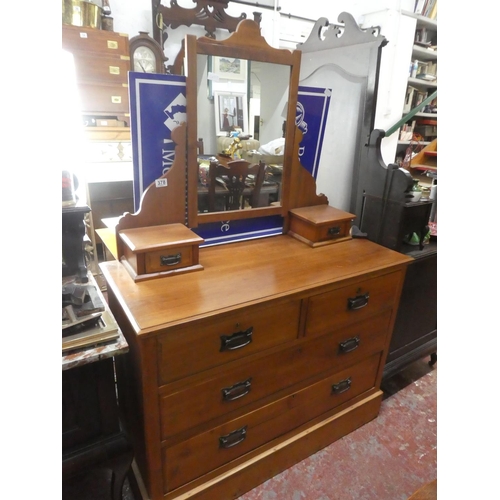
(95, 69)
(104, 99)
(76, 38)
(335, 309)
(212, 342)
(194, 457)
(185, 406)
(158, 261)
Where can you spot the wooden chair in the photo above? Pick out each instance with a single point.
(235, 176)
(199, 145)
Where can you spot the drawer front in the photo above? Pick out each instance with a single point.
(169, 259)
(192, 404)
(332, 310)
(104, 98)
(94, 69)
(76, 38)
(334, 230)
(194, 457)
(212, 342)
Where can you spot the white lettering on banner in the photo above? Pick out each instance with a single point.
(167, 155)
(225, 227)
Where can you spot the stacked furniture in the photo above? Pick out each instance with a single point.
(102, 62)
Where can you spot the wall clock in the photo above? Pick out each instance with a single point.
(146, 54)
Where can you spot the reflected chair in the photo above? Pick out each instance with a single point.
(200, 147)
(240, 187)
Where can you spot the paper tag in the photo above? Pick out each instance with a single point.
(161, 183)
(212, 76)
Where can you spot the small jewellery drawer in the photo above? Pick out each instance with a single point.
(174, 258)
(186, 404)
(198, 455)
(211, 342)
(320, 224)
(331, 310)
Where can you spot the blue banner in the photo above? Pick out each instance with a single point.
(312, 112)
(157, 106)
(218, 233)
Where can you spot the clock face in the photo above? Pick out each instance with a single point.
(144, 60)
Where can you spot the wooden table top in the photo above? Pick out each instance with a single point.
(243, 273)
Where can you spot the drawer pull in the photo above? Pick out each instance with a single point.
(170, 260)
(342, 386)
(349, 345)
(333, 230)
(236, 391)
(358, 302)
(236, 340)
(233, 438)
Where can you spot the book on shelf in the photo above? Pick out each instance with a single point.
(418, 97)
(426, 8)
(419, 6)
(430, 9)
(408, 99)
(406, 132)
(433, 14)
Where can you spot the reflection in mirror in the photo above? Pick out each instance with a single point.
(242, 108)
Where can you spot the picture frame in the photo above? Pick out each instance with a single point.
(230, 68)
(231, 113)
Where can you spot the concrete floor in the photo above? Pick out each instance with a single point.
(389, 458)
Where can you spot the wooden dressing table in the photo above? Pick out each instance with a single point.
(241, 370)
(270, 352)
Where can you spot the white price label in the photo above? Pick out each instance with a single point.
(160, 183)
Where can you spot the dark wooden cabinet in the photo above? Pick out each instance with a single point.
(91, 433)
(415, 329)
(92, 437)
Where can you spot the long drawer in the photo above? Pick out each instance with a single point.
(331, 310)
(208, 343)
(194, 457)
(187, 404)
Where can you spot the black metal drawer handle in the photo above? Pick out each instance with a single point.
(349, 345)
(342, 386)
(358, 302)
(236, 340)
(333, 230)
(236, 391)
(170, 260)
(233, 438)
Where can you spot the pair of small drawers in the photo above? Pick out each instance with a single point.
(259, 373)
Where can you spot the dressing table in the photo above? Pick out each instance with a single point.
(269, 352)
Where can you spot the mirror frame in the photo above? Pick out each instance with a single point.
(245, 43)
